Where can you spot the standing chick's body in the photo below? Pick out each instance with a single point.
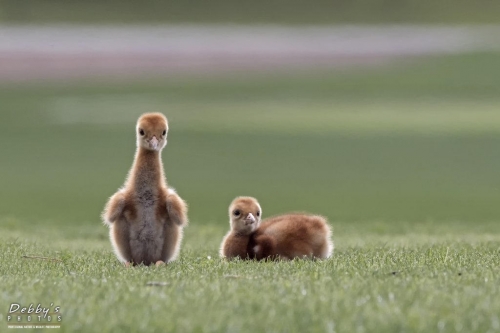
(285, 236)
(146, 217)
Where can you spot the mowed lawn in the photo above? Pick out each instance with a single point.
(402, 159)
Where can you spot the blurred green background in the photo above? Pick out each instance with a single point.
(251, 12)
(407, 141)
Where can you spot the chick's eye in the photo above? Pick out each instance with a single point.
(258, 213)
(164, 132)
(141, 132)
(237, 212)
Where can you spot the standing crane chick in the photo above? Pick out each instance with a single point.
(244, 218)
(289, 236)
(146, 217)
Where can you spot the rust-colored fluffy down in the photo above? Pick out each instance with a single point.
(293, 236)
(146, 217)
(235, 242)
(287, 236)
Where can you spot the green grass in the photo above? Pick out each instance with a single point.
(418, 287)
(260, 11)
(402, 160)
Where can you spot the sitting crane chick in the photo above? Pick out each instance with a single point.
(244, 218)
(146, 217)
(281, 237)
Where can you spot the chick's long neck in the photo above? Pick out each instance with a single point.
(147, 171)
